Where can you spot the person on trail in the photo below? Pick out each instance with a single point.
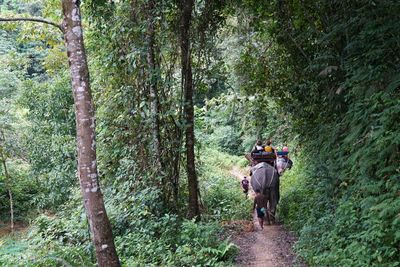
(260, 206)
(245, 185)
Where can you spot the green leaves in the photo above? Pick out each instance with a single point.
(350, 141)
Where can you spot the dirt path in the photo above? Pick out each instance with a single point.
(271, 247)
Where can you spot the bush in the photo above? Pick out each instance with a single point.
(223, 196)
(145, 234)
(175, 243)
(32, 251)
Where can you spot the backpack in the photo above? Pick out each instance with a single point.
(245, 184)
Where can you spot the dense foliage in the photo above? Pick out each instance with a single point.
(321, 76)
(144, 234)
(337, 78)
(147, 218)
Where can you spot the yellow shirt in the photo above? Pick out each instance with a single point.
(268, 149)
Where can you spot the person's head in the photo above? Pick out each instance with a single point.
(269, 142)
(259, 143)
(285, 149)
(258, 191)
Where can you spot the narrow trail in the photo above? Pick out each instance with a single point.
(270, 247)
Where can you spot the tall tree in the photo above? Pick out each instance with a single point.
(85, 130)
(153, 81)
(186, 8)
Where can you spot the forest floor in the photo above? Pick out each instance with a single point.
(270, 247)
(5, 228)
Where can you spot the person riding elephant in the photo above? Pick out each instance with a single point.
(258, 146)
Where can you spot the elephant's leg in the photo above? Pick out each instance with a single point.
(267, 215)
(268, 218)
(278, 195)
(274, 197)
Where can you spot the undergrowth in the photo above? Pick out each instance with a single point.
(223, 196)
(345, 201)
(144, 235)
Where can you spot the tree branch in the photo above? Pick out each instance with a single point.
(299, 48)
(34, 20)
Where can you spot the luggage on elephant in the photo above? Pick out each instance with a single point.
(263, 156)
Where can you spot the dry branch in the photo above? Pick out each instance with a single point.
(33, 20)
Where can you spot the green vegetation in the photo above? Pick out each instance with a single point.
(223, 196)
(337, 77)
(144, 234)
(320, 76)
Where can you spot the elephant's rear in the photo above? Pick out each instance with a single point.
(263, 177)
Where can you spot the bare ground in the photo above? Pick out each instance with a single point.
(270, 247)
(5, 228)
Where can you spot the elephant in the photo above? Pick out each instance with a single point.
(283, 163)
(265, 178)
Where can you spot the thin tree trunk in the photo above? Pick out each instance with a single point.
(86, 145)
(11, 209)
(154, 102)
(8, 184)
(10, 195)
(186, 7)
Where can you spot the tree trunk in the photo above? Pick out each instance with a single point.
(186, 7)
(86, 145)
(153, 80)
(7, 182)
(11, 209)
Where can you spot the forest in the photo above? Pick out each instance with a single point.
(122, 123)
